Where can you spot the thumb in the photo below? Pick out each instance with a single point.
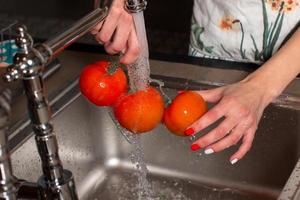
(212, 95)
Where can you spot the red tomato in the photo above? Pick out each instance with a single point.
(100, 86)
(141, 111)
(184, 110)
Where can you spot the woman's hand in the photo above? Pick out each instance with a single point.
(117, 33)
(241, 105)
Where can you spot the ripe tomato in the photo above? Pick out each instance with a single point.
(141, 111)
(100, 86)
(185, 109)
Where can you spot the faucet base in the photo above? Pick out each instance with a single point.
(61, 190)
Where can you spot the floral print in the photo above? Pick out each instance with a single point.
(273, 30)
(232, 35)
(196, 37)
(270, 34)
(229, 23)
(288, 5)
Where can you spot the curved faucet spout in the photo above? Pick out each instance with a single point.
(77, 30)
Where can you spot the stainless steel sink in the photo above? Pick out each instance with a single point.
(92, 147)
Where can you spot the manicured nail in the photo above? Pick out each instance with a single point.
(209, 151)
(180, 91)
(189, 131)
(234, 161)
(195, 147)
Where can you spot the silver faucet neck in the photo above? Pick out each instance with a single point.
(7, 182)
(29, 62)
(56, 182)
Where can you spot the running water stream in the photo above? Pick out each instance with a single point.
(139, 76)
(139, 72)
(137, 158)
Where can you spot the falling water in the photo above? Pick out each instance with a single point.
(139, 76)
(137, 158)
(139, 72)
(127, 134)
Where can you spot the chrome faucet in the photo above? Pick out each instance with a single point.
(133, 6)
(7, 184)
(29, 62)
(56, 182)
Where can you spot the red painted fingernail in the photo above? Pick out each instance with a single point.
(189, 131)
(195, 147)
(180, 91)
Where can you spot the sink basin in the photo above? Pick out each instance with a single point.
(93, 148)
(99, 156)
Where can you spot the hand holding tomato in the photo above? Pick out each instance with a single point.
(140, 111)
(184, 110)
(241, 105)
(101, 84)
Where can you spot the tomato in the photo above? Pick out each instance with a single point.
(185, 109)
(141, 111)
(100, 86)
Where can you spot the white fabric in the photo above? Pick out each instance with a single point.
(225, 43)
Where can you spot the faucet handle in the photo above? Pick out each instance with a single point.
(12, 74)
(25, 43)
(135, 6)
(23, 39)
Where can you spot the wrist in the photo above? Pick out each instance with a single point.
(264, 86)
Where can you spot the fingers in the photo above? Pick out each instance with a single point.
(117, 33)
(108, 27)
(116, 12)
(133, 49)
(245, 146)
(113, 33)
(210, 117)
(95, 30)
(121, 36)
(213, 95)
(216, 134)
(238, 123)
(213, 142)
(242, 106)
(231, 139)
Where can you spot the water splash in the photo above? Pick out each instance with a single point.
(139, 76)
(192, 138)
(137, 158)
(127, 134)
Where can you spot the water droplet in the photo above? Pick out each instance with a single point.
(199, 154)
(192, 138)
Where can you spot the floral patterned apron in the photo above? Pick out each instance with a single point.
(242, 30)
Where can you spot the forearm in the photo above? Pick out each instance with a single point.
(280, 70)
